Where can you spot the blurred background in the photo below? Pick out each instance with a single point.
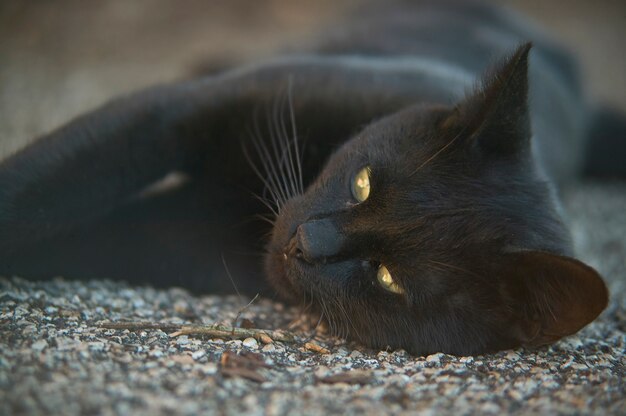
(61, 58)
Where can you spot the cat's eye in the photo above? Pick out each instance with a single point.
(361, 184)
(386, 281)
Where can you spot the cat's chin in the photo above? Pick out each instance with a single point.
(280, 274)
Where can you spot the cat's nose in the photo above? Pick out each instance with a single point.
(316, 240)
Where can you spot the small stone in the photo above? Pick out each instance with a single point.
(250, 343)
(466, 360)
(182, 359)
(40, 345)
(435, 358)
(268, 348)
(156, 353)
(96, 346)
(209, 368)
(50, 310)
(182, 340)
(198, 354)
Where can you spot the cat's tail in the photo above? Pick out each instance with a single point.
(605, 154)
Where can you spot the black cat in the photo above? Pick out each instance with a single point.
(433, 227)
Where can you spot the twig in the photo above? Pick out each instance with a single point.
(228, 332)
(139, 326)
(216, 331)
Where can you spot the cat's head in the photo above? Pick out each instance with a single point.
(431, 230)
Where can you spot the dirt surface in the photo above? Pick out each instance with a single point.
(59, 59)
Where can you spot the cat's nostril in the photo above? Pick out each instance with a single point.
(294, 250)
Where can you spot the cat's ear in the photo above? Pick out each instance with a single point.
(551, 295)
(495, 116)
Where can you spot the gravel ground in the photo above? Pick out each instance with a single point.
(61, 58)
(55, 358)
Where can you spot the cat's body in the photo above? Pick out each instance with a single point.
(461, 212)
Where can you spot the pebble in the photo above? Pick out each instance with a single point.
(56, 362)
(435, 358)
(268, 348)
(250, 343)
(182, 340)
(39, 346)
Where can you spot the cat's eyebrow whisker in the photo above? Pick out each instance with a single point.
(438, 152)
(451, 267)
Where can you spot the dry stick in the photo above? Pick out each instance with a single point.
(218, 331)
(222, 331)
(139, 326)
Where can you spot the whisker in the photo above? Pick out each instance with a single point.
(230, 276)
(348, 318)
(267, 203)
(273, 121)
(294, 132)
(329, 317)
(287, 154)
(451, 266)
(268, 185)
(272, 170)
(242, 310)
(317, 325)
(438, 152)
(269, 166)
(264, 219)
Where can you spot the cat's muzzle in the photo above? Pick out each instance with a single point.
(315, 241)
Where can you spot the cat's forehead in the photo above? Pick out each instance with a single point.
(396, 136)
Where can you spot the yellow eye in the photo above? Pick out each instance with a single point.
(361, 184)
(386, 281)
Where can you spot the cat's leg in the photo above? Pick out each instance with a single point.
(101, 160)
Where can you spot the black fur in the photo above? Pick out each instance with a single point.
(461, 212)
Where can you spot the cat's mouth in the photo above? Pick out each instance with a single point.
(291, 267)
(301, 249)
